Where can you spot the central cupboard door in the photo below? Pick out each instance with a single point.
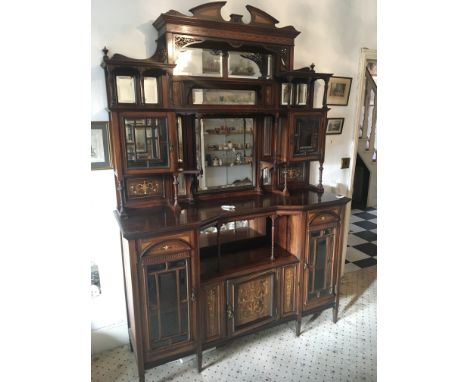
(251, 301)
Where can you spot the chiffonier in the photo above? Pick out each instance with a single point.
(212, 138)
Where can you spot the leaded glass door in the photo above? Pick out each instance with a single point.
(168, 300)
(318, 273)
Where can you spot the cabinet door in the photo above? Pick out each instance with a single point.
(214, 321)
(288, 290)
(306, 136)
(168, 296)
(251, 301)
(148, 142)
(318, 266)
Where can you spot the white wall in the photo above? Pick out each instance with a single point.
(333, 32)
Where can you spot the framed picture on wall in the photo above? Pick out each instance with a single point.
(334, 126)
(338, 91)
(100, 158)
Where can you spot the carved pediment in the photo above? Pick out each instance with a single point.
(212, 12)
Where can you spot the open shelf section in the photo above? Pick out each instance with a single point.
(234, 235)
(241, 262)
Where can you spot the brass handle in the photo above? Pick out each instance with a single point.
(230, 312)
(322, 218)
(305, 265)
(193, 298)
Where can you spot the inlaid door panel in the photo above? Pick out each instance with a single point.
(251, 301)
(213, 309)
(288, 289)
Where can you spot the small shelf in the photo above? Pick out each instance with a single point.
(243, 262)
(232, 235)
(231, 165)
(233, 149)
(235, 133)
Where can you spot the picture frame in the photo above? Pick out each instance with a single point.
(334, 126)
(100, 149)
(339, 89)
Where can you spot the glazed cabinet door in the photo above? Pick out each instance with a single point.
(319, 265)
(251, 301)
(168, 297)
(148, 142)
(306, 136)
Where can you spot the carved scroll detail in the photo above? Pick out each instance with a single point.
(181, 41)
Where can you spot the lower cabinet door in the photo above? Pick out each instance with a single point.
(319, 266)
(288, 290)
(168, 301)
(213, 308)
(251, 301)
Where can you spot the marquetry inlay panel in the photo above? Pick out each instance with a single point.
(295, 172)
(254, 300)
(212, 328)
(141, 187)
(289, 289)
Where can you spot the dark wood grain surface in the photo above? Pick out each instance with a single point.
(163, 219)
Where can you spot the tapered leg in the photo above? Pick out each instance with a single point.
(335, 313)
(141, 375)
(199, 360)
(298, 326)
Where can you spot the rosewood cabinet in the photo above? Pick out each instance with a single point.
(212, 138)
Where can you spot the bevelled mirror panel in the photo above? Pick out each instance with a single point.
(198, 62)
(301, 94)
(249, 65)
(223, 97)
(150, 85)
(125, 89)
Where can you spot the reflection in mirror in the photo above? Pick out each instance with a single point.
(150, 85)
(198, 62)
(286, 94)
(125, 89)
(266, 176)
(301, 94)
(244, 65)
(250, 65)
(180, 141)
(223, 97)
(319, 88)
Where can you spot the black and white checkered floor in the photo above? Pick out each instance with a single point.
(362, 240)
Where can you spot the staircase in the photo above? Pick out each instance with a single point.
(367, 145)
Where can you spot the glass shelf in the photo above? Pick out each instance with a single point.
(224, 152)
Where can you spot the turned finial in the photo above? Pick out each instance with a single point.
(105, 50)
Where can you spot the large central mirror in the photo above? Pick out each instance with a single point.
(225, 152)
